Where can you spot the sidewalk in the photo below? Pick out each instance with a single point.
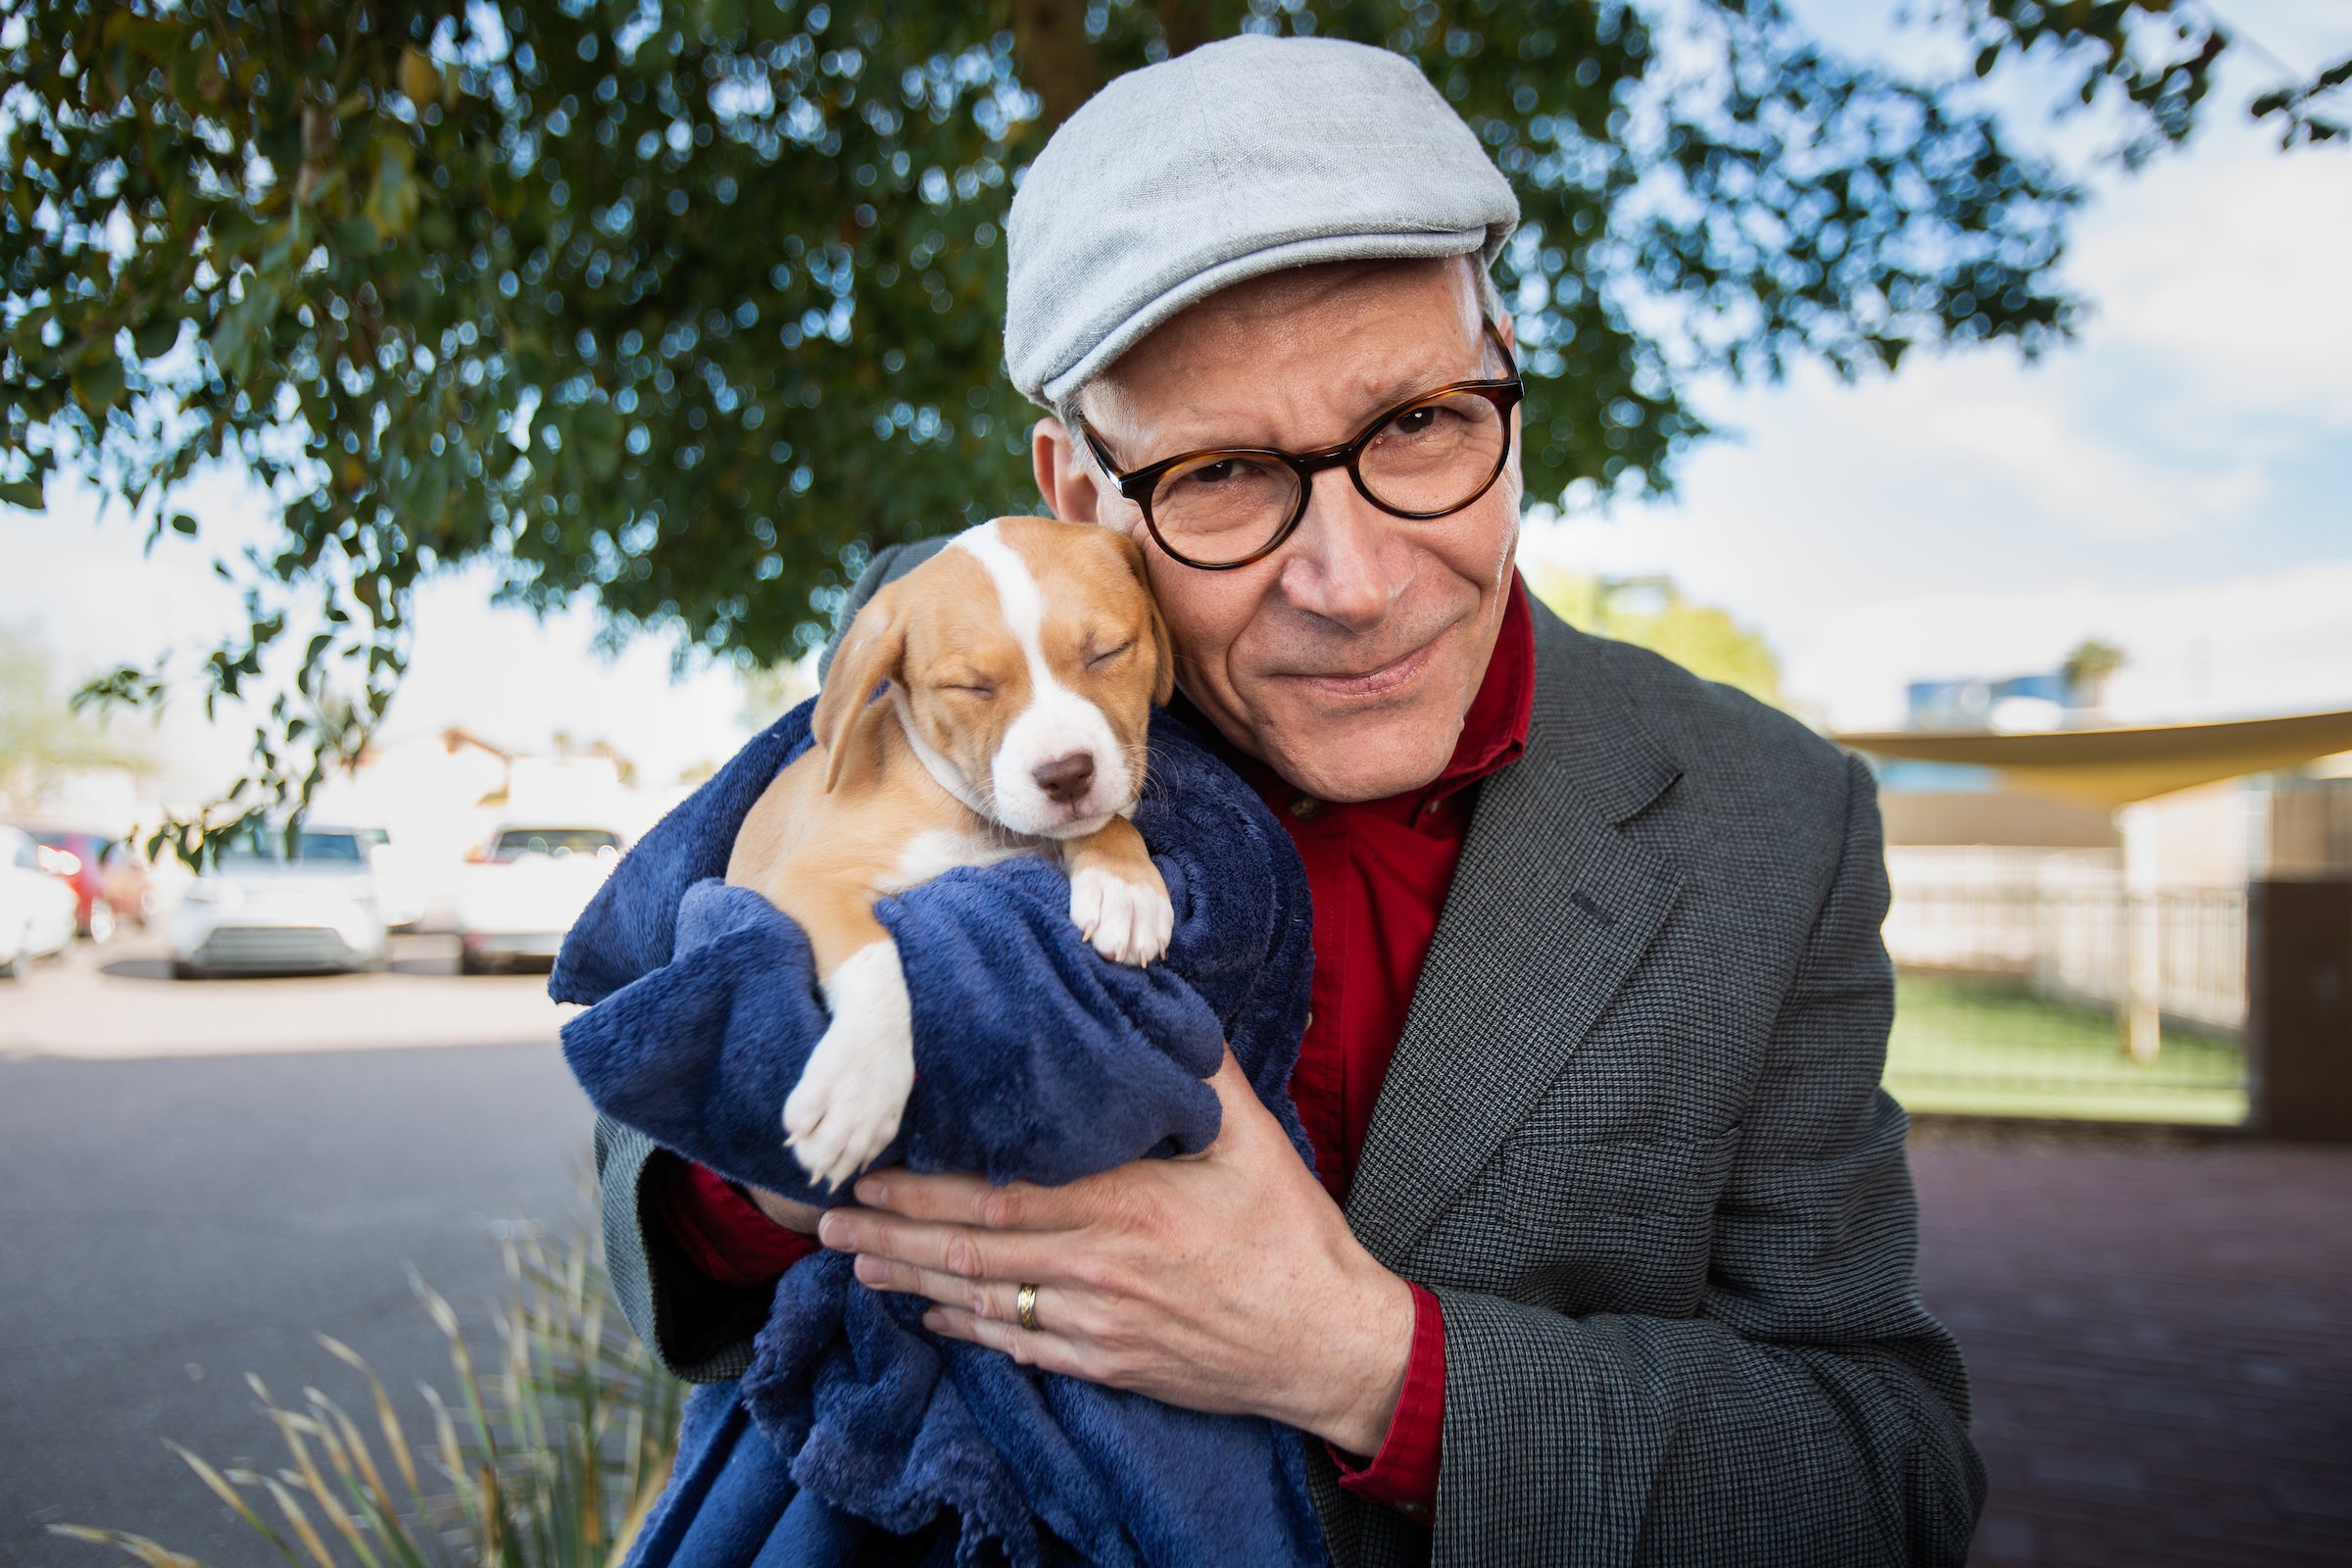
(2160, 1338)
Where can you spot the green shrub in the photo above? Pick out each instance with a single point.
(551, 1459)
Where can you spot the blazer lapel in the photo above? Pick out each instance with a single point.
(1551, 909)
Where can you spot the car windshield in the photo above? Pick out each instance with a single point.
(515, 842)
(268, 846)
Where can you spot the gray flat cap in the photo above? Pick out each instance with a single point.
(1236, 160)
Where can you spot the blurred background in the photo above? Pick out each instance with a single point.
(458, 422)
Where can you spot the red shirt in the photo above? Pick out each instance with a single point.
(1379, 872)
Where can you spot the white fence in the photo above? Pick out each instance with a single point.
(2069, 935)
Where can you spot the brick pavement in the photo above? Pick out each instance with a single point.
(2159, 1332)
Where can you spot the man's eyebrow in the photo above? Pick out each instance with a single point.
(1379, 394)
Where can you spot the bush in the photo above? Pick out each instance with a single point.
(551, 1459)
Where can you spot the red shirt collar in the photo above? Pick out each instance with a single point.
(1493, 731)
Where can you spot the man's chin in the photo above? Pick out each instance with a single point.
(1367, 758)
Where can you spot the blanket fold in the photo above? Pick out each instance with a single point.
(857, 1435)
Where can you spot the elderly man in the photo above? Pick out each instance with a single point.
(1607, 1258)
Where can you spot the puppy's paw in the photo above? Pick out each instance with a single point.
(1127, 922)
(846, 1109)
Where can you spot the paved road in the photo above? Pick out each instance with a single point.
(169, 1222)
(2161, 1336)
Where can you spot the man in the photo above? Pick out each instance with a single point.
(1610, 1254)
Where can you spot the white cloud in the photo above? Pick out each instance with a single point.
(2260, 644)
(2229, 267)
(2178, 481)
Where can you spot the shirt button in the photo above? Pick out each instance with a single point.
(1305, 807)
(1413, 1510)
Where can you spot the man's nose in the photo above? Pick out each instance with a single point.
(1066, 779)
(1343, 567)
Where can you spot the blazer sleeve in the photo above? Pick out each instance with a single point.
(697, 1328)
(1812, 1411)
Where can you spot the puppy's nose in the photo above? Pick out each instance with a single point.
(1067, 778)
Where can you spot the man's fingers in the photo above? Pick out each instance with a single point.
(1041, 1347)
(996, 1300)
(959, 1252)
(963, 1201)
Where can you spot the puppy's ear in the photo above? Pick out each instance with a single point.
(873, 652)
(1163, 678)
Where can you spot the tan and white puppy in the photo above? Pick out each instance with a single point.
(1021, 664)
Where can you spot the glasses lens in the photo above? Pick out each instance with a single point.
(1224, 506)
(1435, 456)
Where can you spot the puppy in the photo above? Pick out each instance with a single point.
(1017, 670)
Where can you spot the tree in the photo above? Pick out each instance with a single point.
(2088, 668)
(1651, 612)
(685, 304)
(41, 739)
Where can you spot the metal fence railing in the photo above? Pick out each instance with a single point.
(2080, 998)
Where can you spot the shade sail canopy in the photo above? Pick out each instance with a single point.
(2114, 767)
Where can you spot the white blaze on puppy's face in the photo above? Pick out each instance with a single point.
(1029, 676)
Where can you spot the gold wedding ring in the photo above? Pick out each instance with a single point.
(1024, 1308)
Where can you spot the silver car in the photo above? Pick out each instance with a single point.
(259, 910)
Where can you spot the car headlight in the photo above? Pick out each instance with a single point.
(227, 895)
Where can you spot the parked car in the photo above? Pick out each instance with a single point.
(521, 889)
(400, 884)
(110, 883)
(37, 905)
(259, 910)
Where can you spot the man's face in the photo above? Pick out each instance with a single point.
(1347, 658)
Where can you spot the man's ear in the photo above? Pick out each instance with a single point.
(874, 652)
(1163, 684)
(1065, 480)
(1163, 679)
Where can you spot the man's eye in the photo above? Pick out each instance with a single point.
(1413, 421)
(1103, 660)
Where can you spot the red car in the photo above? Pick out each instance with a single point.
(109, 885)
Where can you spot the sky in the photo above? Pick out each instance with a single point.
(2178, 481)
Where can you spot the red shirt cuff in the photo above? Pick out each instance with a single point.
(722, 1232)
(1404, 1473)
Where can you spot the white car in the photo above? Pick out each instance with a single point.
(37, 908)
(259, 911)
(399, 888)
(520, 893)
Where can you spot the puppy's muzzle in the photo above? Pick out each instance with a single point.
(1065, 781)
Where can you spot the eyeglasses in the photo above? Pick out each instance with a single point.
(1424, 458)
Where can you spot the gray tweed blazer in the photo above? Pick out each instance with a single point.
(1634, 1141)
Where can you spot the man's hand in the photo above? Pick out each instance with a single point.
(1228, 1283)
(787, 1212)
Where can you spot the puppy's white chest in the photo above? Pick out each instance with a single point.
(937, 850)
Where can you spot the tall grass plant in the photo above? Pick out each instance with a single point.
(549, 1457)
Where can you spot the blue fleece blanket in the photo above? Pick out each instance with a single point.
(858, 1436)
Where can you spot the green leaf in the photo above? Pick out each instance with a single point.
(98, 386)
(393, 196)
(154, 336)
(24, 493)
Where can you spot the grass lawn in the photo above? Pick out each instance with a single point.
(1967, 1047)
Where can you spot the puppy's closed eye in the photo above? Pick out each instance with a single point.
(1109, 656)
